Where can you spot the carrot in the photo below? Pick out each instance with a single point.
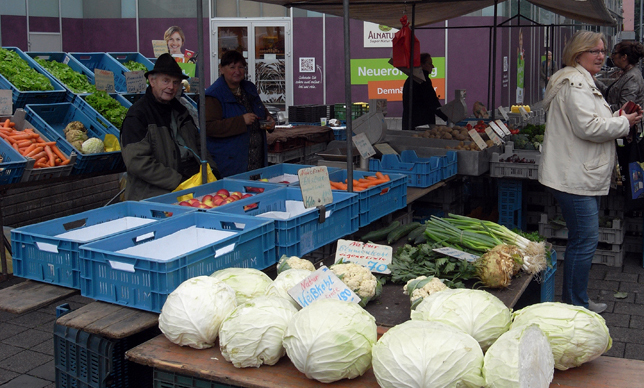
(29, 149)
(34, 152)
(24, 143)
(7, 122)
(22, 136)
(55, 149)
(15, 146)
(358, 188)
(50, 156)
(342, 186)
(65, 162)
(8, 138)
(371, 177)
(46, 143)
(379, 175)
(335, 185)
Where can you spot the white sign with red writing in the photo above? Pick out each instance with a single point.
(373, 256)
(104, 80)
(322, 284)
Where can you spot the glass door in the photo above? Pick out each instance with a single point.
(266, 44)
(42, 34)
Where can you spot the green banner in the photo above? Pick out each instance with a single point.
(365, 70)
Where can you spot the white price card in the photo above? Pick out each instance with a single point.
(321, 284)
(524, 113)
(504, 112)
(457, 254)
(135, 81)
(6, 103)
(315, 186)
(495, 139)
(194, 84)
(375, 257)
(497, 129)
(363, 145)
(104, 80)
(386, 149)
(477, 139)
(503, 127)
(159, 47)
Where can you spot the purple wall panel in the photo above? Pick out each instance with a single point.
(14, 31)
(307, 43)
(44, 24)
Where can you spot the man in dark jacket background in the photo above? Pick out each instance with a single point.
(424, 104)
(159, 140)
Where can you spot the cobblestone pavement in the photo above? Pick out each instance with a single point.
(27, 346)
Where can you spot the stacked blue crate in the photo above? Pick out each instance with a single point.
(510, 203)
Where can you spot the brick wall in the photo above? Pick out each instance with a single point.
(46, 201)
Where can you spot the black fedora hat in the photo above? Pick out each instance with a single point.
(166, 64)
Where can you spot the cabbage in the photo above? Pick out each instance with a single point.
(576, 334)
(427, 354)
(330, 340)
(520, 358)
(93, 146)
(193, 312)
(252, 333)
(248, 283)
(284, 282)
(476, 312)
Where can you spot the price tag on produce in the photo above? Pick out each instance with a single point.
(315, 186)
(135, 81)
(6, 103)
(470, 258)
(504, 112)
(497, 129)
(477, 139)
(322, 284)
(372, 256)
(490, 133)
(503, 127)
(159, 47)
(104, 80)
(363, 145)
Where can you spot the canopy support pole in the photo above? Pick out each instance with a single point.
(202, 96)
(347, 94)
(496, 13)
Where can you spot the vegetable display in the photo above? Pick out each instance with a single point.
(77, 82)
(427, 354)
(108, 107)
(30, 145)
(285, 281)
(293, 262)
(362, 183)
(422, 286)
(135, 66)
(17, 71)
(248, 283)
(359, 279)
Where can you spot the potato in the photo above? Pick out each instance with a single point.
(447, 136)
(458, 136)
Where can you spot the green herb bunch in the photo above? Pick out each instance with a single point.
(108, 107)
(17, 71)
(135, 66)
(77, 82)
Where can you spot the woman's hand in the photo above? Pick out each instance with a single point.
(633, 118)
(249, 118)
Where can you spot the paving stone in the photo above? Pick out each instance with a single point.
(634, 351)
(46, 347)
(628, 308)
(622, 277)
(633, 264)
(32, 319)
(25, 361)
(8, 351)
(26, 381)
(619, 320)
(6, 316)
(631, 287)
(636, 322)
(629, 336)
(29, 338)
(639, 299)
(603, 285)
(6, 375)
(610, 295)
(46, 327)
(617, 350)
(46, 371)
(596, 272)
(8, 330)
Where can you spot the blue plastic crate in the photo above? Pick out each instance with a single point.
(52, 119)
(198, 192)
(340, 133)
(105, 61)
(274, 171)
(80, 103)
(421, 172)
(140, 282)
(22, 98)
(377, 201)
(12, 166)
(136, 57)
(449, 165)
(40, 253)
(510, 203)
(548, 279)
(67, 59)
(85, 360)
(302, 233)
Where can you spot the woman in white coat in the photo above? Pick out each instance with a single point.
(578, 155)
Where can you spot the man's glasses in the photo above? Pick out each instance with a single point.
(597, 52)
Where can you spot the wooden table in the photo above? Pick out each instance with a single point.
(209, 364)
(29, 295)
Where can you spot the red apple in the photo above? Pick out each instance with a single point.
(235, 197)
(229, 200)
(223, 192)
(196, 204)
(247, 195)
(218, 201)
(237, 193)
(184, 203)
(207, 197)
(204, 206)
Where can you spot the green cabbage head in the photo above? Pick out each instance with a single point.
(93, 145)
(427, 354)
(330, 340)
(248, 283)
(576, 334)
(286, 280)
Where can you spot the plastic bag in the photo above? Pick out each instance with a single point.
(111, 143)
(195, 180)
(402, 46)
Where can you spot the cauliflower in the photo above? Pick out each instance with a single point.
(422, 286)
(93, 145)
(293, 262)
(359, 279)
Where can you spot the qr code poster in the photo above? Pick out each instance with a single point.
(307, 65)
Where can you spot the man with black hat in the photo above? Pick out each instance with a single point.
(159, 139)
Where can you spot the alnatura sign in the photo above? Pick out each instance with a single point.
(378, 35)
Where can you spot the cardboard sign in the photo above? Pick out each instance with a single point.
(135, 81)
(159, 47)
(386, 149)
(6, 103)
(372, 256)
(490, 133)
(457, 254)
(524, 113)
(499, 132)
(104, 80)
(503, 127)
(194, 85)
(315, 186)
(504, 112)
(322, 284)
(363, 145)
(477, 139)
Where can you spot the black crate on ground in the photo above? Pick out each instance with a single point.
(163, 379)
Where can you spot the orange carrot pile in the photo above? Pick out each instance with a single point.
(30, 145)
(362, 183)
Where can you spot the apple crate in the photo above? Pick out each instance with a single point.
(377, 201)
(105, 61)
(284, 173)
(300, 233)
(21, 98)
(252, 188)
(51, 120)
(421, 172)
(140, 268)
(67, 59)
(48, 251)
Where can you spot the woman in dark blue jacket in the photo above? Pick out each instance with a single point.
(233, 111)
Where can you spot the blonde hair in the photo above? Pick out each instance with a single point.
(168, 33)
(580, 42)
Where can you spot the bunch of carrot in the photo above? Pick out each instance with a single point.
(362, 183)
(30, 145)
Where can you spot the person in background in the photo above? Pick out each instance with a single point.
(175, 39)
(578, 155)
(424, 103)
(159, 139)
(233, 113)
(545, 72)
(630, 84)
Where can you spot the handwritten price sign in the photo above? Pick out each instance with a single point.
(373, 256)
(315, 186)
(135, 81)
(5, 103)
(322, 284)
(104, 80)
